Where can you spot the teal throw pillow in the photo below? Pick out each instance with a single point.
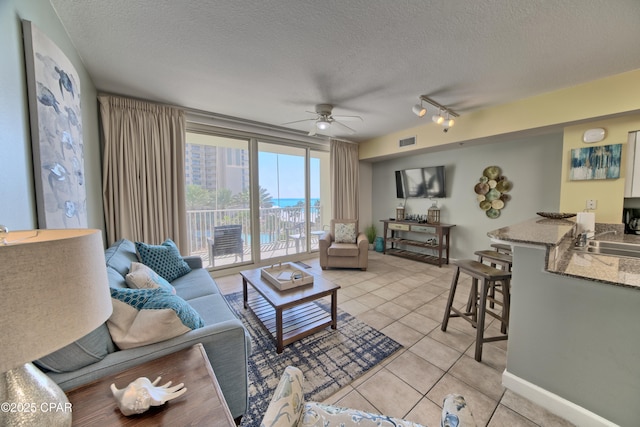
(146, 316)
(164, 259)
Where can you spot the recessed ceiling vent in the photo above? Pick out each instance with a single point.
(406, 142)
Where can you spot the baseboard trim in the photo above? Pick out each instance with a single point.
(554, 403)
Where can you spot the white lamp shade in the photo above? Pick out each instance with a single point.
(54, 291)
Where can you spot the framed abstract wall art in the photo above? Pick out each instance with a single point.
(53, 88)
(600, 162)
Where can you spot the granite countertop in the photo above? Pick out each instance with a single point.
(557, 235)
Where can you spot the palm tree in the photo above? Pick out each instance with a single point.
(241, 200)
(198, 197)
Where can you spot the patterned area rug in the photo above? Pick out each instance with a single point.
(329, 359)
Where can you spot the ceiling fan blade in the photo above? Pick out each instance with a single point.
(348, 118)
(343, 126)
(313, 130)
(297, 121)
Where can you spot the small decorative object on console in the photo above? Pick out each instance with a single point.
(142, 394)
(433, 213)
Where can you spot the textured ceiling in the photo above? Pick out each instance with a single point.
(270, 61)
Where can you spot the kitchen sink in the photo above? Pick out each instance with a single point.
(600, 247)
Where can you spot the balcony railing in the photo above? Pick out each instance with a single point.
(277, 226)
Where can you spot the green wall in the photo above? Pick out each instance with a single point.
(533, 164)
(17, 195)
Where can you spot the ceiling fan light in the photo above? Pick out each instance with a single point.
(322, 124)
(419, 110)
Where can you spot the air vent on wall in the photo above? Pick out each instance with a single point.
(407, 142)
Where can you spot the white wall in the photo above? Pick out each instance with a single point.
(17, 196)
(533, 164)
(365, 193)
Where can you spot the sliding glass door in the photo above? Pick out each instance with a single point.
(283, 199)
(251, 198)
(217, 195)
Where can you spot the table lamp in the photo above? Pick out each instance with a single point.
(53, 291)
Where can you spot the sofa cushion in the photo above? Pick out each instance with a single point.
(116, 280)
(142, 277)
(89, 349)
(345, 232)
(120, 255)
(213, 309)
(195, 284)
(164, 259)
(146, 316)
(343, 249)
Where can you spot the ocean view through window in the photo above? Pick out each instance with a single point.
(289, 200)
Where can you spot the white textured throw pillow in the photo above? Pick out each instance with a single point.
(345, 232)
(142, 277)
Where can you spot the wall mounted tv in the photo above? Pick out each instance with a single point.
(421, 182)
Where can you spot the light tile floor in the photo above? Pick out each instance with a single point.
(405, 300)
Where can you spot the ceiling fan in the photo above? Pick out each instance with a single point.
(324, 120)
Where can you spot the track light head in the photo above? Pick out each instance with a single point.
(419, 110)
(438, 119)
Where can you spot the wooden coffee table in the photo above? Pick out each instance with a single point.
(290, 315)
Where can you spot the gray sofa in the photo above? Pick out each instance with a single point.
(223, 336)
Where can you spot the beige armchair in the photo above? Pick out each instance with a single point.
(343, 246)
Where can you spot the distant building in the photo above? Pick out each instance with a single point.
(214, 167)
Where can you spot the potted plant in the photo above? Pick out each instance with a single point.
(371, 232)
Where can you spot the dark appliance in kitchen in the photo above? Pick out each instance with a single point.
(631, 220)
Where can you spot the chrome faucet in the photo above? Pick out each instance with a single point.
(581, 240)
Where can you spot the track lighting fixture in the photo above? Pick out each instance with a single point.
(444, 116)
(419, 110)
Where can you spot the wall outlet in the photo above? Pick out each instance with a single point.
(591, 204)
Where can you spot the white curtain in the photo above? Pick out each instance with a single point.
(143, 171)
(344, 179)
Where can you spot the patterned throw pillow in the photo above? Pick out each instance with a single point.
(147, 316)
(164, 259)
(142, 277)
(345, 232)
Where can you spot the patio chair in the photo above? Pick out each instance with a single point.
(227, 240)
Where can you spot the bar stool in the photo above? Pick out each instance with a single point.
(494, 258)
(488, 277)
(502, 248)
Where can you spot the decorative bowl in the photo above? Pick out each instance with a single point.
(556, 215)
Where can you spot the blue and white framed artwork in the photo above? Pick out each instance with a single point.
(56, 132)
(599, 162)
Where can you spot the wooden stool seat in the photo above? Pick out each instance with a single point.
(475, 314)
(502, 248)
(495, 258)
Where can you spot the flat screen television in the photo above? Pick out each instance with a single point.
(421, 182)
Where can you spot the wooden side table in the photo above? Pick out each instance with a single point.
(202, 405)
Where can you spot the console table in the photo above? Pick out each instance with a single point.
(430, 245)
(202, 404)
